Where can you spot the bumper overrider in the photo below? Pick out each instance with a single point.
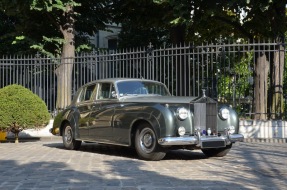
(202, 141)
(55, 131)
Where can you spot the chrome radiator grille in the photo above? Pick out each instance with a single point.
(205, 116)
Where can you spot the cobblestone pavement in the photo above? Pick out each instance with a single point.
(47, 165)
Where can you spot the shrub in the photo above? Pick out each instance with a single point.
(21, 109)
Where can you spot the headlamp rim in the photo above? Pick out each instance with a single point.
(221, 113)
(178, 113)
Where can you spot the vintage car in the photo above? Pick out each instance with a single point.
(142, 114)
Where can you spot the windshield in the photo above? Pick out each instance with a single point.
(128, 88)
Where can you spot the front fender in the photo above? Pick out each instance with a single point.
(127, 119)
(162, 119)
(233, 120)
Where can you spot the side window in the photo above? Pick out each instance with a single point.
(87, 93)
(105, 91)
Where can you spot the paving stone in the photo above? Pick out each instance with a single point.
(44, 165)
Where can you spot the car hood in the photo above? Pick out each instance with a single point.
(157, 99)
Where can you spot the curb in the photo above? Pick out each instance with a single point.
(32, 139)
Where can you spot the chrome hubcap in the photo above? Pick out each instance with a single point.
(68, 135)
(147, 140)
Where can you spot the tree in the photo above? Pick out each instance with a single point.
(57, 28)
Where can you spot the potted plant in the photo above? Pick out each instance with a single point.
(3, 135)
(21, 109)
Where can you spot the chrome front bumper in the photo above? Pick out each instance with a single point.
(202, 141)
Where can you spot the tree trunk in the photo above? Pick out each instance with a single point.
(16, 137)
(16, 129)
(64, 71)
(277, 83)
(261, 86)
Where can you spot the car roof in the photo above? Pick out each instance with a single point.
(114, 80)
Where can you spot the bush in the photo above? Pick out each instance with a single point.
(20, 108)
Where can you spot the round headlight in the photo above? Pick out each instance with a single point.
(224, 113)
(182, 113)
(181, 131)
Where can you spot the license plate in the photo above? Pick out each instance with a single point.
(213, 144)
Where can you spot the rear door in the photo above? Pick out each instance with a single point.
(102, 114)
(85, 103)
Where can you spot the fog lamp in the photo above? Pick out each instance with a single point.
(181, 131)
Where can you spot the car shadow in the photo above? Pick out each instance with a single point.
(127, 152)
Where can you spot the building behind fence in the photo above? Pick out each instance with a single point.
(226, 71)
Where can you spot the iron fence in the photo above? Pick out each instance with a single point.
(225, 70)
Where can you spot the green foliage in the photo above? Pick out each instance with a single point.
(235, 82)
(20, 106)
(57, 42)
(49, 6)
(134, 36)
(38, 23)
(83, 47)
(193, 21)
(201, 21)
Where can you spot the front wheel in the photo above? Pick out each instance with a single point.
(69, 138)
(146, 144)
(216, 152)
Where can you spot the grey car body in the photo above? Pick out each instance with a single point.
(142, 114)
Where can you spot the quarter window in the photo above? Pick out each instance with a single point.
(87, 93)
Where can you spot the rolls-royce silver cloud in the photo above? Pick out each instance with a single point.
(142, 114)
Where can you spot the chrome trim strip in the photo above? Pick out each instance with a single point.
(194, 140)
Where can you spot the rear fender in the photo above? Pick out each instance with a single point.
(70, 119)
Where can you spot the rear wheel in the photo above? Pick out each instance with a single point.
(69, 138)
(146, 144)
(216, 152)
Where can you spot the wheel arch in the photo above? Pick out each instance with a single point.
(154, 125)
(63, 124)
(69, 120)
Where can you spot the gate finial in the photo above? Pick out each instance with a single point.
(203, 92)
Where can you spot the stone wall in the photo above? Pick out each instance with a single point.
(259, 129)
